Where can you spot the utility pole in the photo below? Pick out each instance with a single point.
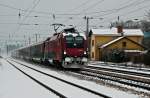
(24, 40)
(0, 51)
(87, 26)
(36, 37)
(29, 40)
(7, 49)
(6, 46)
(87, 34)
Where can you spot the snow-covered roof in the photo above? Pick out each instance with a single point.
(112, 42)
(133, 32)
(104, 32)
(113, 32)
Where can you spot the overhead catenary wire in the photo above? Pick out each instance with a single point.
(79, 6)
(99, 2)
(115, 10)
(91, 6)
(50, 13)
(86, 2)
(24, 10)
(127, 13)
(35, 3)
(111, 11)
(28, 12)
(104, 12)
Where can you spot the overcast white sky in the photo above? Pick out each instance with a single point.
(67, 12)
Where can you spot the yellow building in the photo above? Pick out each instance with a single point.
(103, 40)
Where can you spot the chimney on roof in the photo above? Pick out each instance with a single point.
(119, 29)
(119, 26)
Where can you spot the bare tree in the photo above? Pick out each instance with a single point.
(146, 22)
(148, 15)
(145, 26)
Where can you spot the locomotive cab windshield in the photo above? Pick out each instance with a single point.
(74, 42)
(69, 41)
(79, 41)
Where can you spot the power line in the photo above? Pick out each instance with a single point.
(135, 3)
(125, 14)
(92, 6)
(18, 9)
(108, 10)
(134, 11)
(115, 10)
(5, 15)
(30, 11)
(36, 24)
(79, 6)
(49, 13)
(111, 11)
(40, 12)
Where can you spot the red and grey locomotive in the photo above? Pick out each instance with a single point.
(67, 49)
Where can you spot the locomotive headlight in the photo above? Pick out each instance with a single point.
(84, 52)
(64, 52)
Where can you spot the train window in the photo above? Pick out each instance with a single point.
(92, 42)
(124, 44)
(69, 41)
(79, 41)
(92, 54)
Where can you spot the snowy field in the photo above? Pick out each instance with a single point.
(13, 84)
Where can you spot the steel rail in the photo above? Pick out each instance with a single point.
(120, 71)
(40, 83)
(116, 78)
(73, 84)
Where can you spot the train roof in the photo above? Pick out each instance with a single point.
(75, 34)
(30, 45)
(67, 31)
(72, 31)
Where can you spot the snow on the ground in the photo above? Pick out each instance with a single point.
(112, 92)
(63, 88)
(14, 84)
(117, 67)
(100, 64)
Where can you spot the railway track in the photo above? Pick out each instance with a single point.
(141, 74)
(54, 77)
(135, 79)
(124, 66)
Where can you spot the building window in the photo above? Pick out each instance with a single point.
(92, 54)
(92, 42)
(114, 37)
(124, 44)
